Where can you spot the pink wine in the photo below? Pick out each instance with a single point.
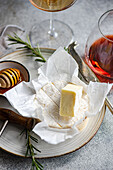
(101, 58)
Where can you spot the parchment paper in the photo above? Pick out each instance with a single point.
(60, 69)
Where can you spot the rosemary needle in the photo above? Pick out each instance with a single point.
(27, 45)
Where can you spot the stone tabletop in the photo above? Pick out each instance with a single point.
(82, 16)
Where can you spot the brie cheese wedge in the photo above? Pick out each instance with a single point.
(48, 99)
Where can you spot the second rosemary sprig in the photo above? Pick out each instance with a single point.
(27, 45)
(30, 152)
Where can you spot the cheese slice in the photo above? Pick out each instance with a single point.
(70, 99)
(49, 108)
(52, 92)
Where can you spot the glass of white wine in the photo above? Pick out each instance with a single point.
(51, 33)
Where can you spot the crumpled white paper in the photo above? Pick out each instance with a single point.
(60, 67)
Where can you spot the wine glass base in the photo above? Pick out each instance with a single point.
(40, 34)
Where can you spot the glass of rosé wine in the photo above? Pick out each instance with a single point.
(99, 48)
(51, 33)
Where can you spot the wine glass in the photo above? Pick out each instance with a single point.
(51, 33)
(99, 48)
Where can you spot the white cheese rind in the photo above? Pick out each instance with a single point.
(70, 99)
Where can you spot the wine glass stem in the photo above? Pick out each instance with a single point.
(52, 31)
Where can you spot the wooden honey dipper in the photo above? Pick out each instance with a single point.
(9, 77)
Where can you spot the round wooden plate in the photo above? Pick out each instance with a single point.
(11, 140)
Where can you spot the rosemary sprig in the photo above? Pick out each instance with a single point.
(31, 150)
(27, 45)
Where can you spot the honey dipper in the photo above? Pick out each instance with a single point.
(9, 77)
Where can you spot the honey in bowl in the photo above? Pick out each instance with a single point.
(9, 78)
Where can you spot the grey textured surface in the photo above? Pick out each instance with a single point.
(82, 16)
